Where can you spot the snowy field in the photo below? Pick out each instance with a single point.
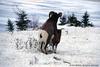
(79, 47)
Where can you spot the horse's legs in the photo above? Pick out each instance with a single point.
(45, 49)
(55, 48)
(41, 46)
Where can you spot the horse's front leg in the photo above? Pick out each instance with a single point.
(55, 48)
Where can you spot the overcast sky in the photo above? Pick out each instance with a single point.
(41, 8)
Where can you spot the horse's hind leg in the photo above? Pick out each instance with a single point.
(41, 46)
(45, 49)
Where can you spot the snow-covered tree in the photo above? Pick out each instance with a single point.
(10, 26)
(72, 20)
(63, 20)
(85, 19)
(22, 22)
(34, 22)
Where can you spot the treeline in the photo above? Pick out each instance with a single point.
(73, 21)
(23, 23)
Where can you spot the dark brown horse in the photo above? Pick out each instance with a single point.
(50, 26)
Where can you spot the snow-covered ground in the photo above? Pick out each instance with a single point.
(78, 47)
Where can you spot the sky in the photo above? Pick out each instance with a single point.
(41, 8)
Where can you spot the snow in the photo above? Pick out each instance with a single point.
(78, 46)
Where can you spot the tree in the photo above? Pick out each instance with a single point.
(72, 20)
(34, 23)
(22, 22)
(63, 20)
(10, 26)
(85, 19)
(91, 25)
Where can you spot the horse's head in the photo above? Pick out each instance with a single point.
(55, 15)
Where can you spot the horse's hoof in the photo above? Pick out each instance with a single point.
(46, 53)
(55, 52)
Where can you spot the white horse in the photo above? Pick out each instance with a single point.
(42, 38)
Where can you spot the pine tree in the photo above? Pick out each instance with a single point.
(22, 22)
(85, 19)
(63, 20)
(10, 26)
(72, 20)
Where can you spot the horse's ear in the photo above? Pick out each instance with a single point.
(51, 13)
(60, 14)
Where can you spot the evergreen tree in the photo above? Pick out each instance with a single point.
(22, 22)
(63, 20)
(91, 25)
(10, 26)
(85, 19)
(72, 20)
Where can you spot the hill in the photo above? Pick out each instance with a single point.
(78, 46)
